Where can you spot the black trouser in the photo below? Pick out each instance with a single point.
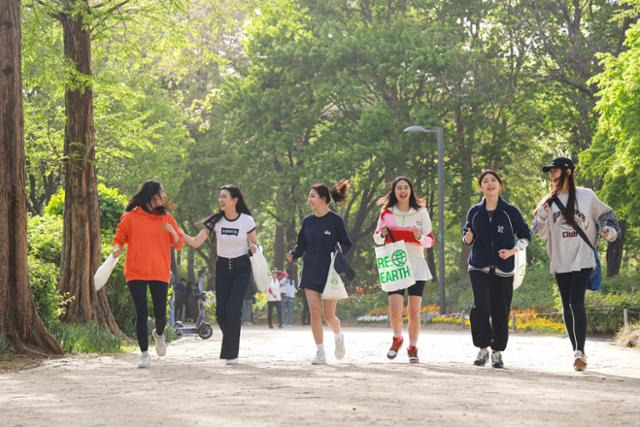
(277, 305)
(572, 288)
(179, 308)
(232, 280)
(159, 290)
(490, 313)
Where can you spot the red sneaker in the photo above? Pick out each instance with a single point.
(412, 351)
(395, 347)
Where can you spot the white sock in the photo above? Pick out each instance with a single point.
(145, 353)
(338, 336)
(320, 347)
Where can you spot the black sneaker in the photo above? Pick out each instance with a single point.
(496, 359)
(482, 358)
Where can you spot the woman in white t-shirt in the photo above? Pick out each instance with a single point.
(235, 232)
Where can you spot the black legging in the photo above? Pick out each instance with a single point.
(490, 313)
(572, 288)
(232, 280)
(138, 290)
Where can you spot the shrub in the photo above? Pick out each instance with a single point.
(44, 236)
(43, 279)
(111, 204)
(605, 311)
(537, 291)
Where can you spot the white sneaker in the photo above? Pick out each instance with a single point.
(161, 346)
(320, 358)
(340, 350)
(579, 361)
(231, 361)
(145, 360)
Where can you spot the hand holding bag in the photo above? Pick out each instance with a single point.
(104, 272)
(342, 266)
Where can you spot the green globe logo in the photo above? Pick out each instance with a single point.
(399, 258)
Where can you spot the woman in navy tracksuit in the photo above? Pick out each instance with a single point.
(489, 229)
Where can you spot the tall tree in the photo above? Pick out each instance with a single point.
(81, 245)
(19, 320)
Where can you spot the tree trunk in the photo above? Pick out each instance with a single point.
(615, 251)
(19, 320)
(279, 247)
(81, 245)
(191, 265)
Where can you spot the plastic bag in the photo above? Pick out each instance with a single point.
(521, 268)
(334, 287)
(260, 270)
(104, 272)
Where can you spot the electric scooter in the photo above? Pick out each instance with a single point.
(202, 328)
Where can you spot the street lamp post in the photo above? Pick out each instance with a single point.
(440, 140)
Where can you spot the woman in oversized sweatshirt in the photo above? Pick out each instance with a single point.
(404, 217)
(149, 233)
(572, 259)
(490, 229)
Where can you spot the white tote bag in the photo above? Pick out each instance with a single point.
(260, 270)
(394, 269)
(520, 269)
(334, 287)
(104, 272)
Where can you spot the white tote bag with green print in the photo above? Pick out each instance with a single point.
(394, 269)
(334, 287)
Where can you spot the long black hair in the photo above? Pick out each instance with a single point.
(390, 199)
(142, 199)
(570, 207)
(337, 193)
(241, 206)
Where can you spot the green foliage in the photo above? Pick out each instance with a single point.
(537, 291)
(85, 338)
(614, 157)
(605, 311)
(43, 278)
(44, 237)
(111, 204)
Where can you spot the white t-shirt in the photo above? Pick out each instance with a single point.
(231, 236)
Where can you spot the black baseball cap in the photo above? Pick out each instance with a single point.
(559, 163)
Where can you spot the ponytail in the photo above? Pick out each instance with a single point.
(337, 193)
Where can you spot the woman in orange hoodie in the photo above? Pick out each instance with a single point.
(149, 232)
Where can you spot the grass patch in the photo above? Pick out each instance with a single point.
(86, 338)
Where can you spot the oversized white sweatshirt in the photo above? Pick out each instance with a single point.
(566, 249)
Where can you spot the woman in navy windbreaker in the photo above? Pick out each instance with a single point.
(490, 229)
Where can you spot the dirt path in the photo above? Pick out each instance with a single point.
(275, 385)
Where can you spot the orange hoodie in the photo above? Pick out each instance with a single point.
(149, 245)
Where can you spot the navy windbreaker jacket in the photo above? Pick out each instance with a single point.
(491, 235)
